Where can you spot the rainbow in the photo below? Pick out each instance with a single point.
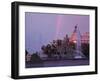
(58, 25)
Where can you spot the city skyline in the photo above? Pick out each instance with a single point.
(47, 27)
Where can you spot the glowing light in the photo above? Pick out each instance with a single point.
(74, 41)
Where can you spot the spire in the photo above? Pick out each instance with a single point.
(75, 28)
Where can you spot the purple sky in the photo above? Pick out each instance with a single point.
(42, 28)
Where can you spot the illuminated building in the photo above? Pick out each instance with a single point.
(84, 37)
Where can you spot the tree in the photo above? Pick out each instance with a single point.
(26, 53)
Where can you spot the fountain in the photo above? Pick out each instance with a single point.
(77, 52)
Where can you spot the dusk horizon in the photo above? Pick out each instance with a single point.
(43, 28)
